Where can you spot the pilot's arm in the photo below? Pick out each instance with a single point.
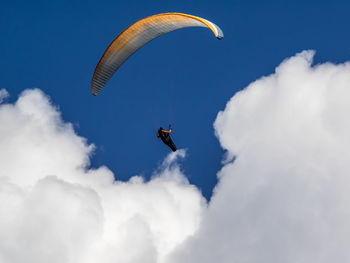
(167, 131)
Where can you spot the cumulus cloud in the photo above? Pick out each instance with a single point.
(283, 192)
(54, 208)
(3, 95)
(285, 198)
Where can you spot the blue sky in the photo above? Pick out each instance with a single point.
(184, 77)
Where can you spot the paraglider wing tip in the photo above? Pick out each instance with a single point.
(220, 34)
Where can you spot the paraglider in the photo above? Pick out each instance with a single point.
(165, 137)
(136, 36)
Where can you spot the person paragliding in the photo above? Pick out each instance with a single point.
(136, 36)
(165, 137)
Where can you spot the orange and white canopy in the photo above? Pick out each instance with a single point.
(137, 35)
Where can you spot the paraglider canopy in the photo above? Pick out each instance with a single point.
(139, 34)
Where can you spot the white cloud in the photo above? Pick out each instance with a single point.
(3, 95)
(285, 198)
